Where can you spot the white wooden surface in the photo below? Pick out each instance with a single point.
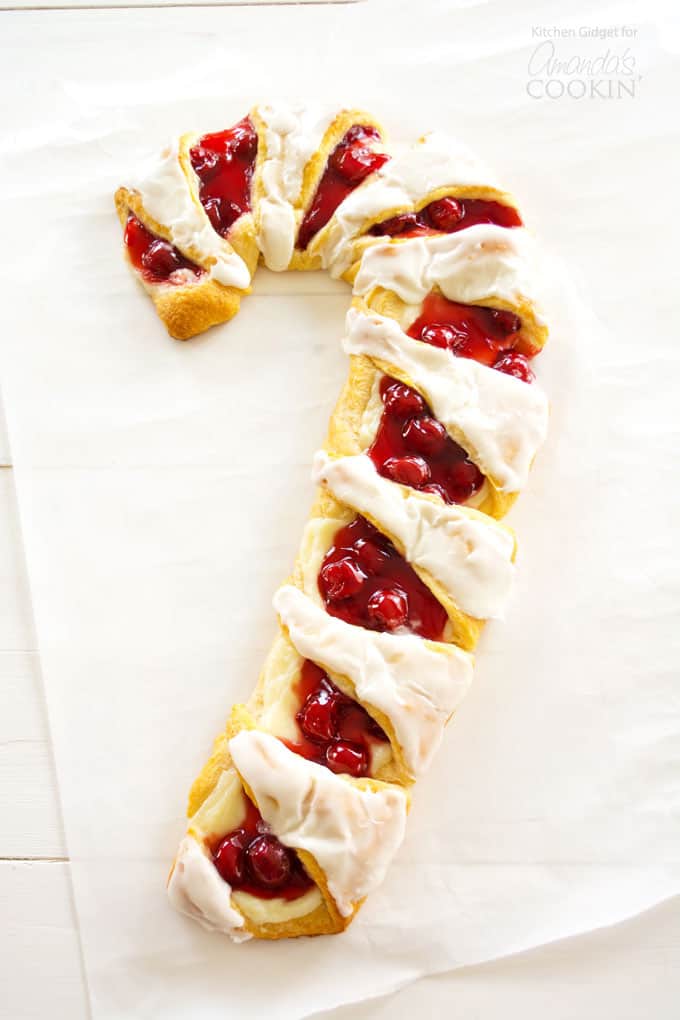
(629, 972)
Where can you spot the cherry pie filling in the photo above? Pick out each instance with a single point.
(224, 163)
(156, 260)
(252, 860)
(488, 335)
(349, 163)
(446, 216)
(413, 448)
(335, 730)
(364, 581)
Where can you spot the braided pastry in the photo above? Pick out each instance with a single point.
(302, 805)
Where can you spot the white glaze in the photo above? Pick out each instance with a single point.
(401, 184)
(352, 833)
(470, 555)
(416, 683)
(482, 263)
(500, 420)
(197, 890)
(292, 136)
(167, 197)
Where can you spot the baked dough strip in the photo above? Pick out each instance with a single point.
(345, 831)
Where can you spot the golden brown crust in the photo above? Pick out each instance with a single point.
(324, 919)
(345, 423)
(188, 310)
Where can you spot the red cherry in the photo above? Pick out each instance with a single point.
(413, 471)
(506, 322)
(161, 259)
(222, 214)
(341, 579)
(464, 479)
(268, 861)
(370, 556)
(213, 208)
(426, 434)
(475, 348)
(438, 335)
(205, 162)
(318, 716)
(403, 401)
(345, 757)
(229, 857)
(359, 133)
(400, 224)
(388, 607)
(243, 142)
(517, 365)
(446, 213)
(355, 162)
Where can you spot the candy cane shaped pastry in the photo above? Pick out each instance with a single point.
(299, 811)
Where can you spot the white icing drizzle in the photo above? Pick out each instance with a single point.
(471, 266)
(470, 555)
(502, 419)
(437, 161)
(197, 890)
(416, 683)
(166, 196)
(352, 833)
(292, 136)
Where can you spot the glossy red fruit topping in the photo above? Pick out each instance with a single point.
(230, 858)
(408, 432)
(404, 223)
(463, 478)
(517, 365)
(348, 758)
(361, 133)
(341, 579)
(402, 400)
(505, 322)
(412, 471)
(446, 214)
(438, 335)
(224, 164)
(423, 613)
(388, 607)
(161, 259)
(328, 718)
(221, 213)
(356, 162)
(468, 331)
(269, 861)
(157, 260)
(426, 434)
(370, 556)
(350, 162)
(251, 859)
(243, 141)
(205, 162)
(318, 717)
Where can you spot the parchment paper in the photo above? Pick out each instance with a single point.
(163, 488)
